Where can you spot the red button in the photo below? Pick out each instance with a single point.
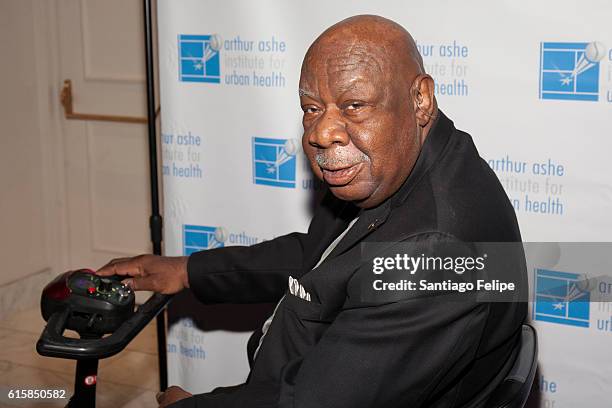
(91, 290)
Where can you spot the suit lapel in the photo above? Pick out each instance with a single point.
(328, 227)
(369, 220)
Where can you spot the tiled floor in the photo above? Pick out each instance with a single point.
(128, 379)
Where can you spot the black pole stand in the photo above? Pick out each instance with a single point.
(84, 384)
(85, 381)
(155, 221)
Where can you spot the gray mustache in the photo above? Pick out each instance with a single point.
(340, 159)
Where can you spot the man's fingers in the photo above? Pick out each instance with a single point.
(148, 272)
(123, 267)
(108, 269)
(117, 260)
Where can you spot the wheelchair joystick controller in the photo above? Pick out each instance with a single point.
(93, 306)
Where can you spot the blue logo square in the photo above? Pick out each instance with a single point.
(198, 238)
(272, 164)
(198, 61)
(566, 73)
(558, 298)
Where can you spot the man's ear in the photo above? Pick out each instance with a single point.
(423, 99)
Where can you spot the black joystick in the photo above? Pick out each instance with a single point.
(105, 285)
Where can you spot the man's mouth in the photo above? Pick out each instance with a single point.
(341, 176)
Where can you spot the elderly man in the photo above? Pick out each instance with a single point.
(397, 171)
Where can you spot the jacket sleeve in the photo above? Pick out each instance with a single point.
(240, 274)
(259, 273)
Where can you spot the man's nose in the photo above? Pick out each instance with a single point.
(329, 130)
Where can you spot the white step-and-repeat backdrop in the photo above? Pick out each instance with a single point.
(530, 81)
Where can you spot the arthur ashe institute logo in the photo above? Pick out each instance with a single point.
(561, 298)
(274, 161)
(199, 59)
(198, 237)
(570, 70)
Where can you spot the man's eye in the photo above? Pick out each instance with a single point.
(353, 106)
(310, 109)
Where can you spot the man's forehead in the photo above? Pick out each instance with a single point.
(357, 58)
(343, 65)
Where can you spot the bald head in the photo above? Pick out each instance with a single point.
(368, 106)
(383, 40)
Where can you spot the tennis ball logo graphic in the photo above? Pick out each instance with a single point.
(291, 147)
(583, 283)
(221, 234)
(595, 51)
(216, 42)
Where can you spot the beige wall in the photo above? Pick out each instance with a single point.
(30, 214)
(72, 193)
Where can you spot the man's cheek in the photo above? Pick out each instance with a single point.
(305, 144)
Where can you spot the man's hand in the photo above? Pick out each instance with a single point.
(162, 274)
(171, 395)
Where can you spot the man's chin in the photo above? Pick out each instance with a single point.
(349, 193)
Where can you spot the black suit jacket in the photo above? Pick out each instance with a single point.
(340, 351)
